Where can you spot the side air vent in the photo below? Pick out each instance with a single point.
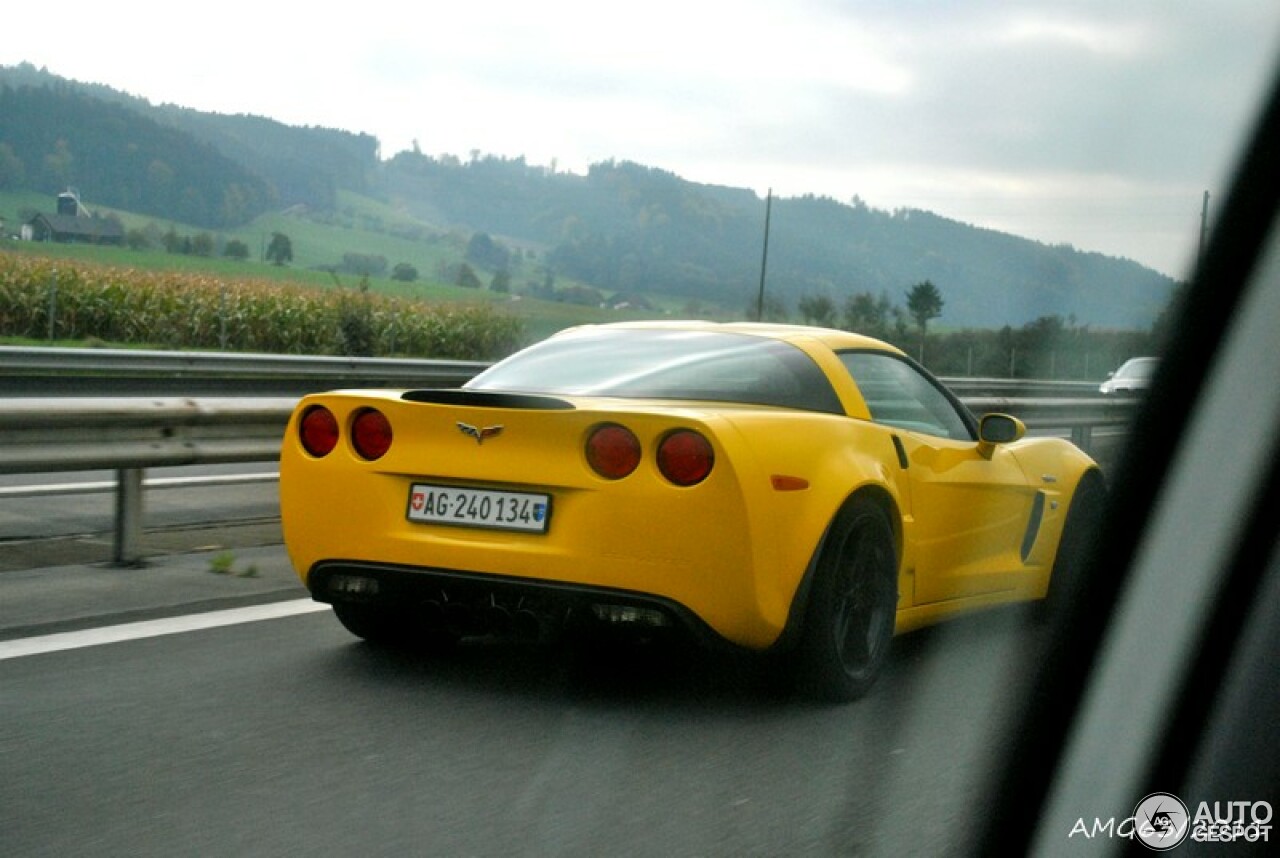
(1033, 526)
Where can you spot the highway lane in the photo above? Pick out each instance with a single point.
(287, 737)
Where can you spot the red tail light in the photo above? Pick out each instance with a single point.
(685, 457)
(613, 451)
(318, 431)
(371, 434)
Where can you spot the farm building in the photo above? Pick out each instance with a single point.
(73, 222)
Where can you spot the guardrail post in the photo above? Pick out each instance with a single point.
(127, 550)
(1082, 437)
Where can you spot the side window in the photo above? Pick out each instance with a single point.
(898, 394)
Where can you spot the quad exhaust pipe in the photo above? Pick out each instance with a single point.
(490, 617)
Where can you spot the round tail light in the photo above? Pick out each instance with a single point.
(318, 431)
(371, 434)
(613, 451)
(685, 457)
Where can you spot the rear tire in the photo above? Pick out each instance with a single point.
(852, 608)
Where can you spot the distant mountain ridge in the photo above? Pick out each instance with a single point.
(622, 228)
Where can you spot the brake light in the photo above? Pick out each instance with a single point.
(613, 451)
(318, 431)
(685, 457)
(371, 434)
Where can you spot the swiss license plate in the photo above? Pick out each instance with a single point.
(523, 511)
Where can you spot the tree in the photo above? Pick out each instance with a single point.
(467, 277)
(501, 282)
(774, 310)
(173, 242)
(404, 272)
(817, 310)
(924, 302)
(236, 249)
(13, 173)
(202, 244)
(864, 313)
(58, 165)
(364, 264)
(137, 239)
(482, 250)
(280, 250)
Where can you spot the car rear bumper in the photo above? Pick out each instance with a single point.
(467, 603)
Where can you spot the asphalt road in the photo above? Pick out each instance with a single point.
(289, 737)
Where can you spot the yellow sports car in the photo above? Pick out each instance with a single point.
(795, 490)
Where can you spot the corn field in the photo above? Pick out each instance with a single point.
(62, 300)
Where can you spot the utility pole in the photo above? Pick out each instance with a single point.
(764, 259)
(1204, 227)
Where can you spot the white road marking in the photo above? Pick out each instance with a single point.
(155, 628)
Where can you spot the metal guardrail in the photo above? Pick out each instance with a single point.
(1079, 416)
(39, 435)
(964, 386)
(129, 435)
(46, 372)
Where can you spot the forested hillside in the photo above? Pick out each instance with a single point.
(304, 166)
(56, 136)
(623, 228)
(628, 228)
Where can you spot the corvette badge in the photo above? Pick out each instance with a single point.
(480, 434)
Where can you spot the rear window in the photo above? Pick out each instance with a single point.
(667, 364)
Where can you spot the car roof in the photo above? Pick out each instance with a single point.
(832, 338)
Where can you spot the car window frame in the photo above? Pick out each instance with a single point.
(966, 419)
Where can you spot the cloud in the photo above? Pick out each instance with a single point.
(1089, 122)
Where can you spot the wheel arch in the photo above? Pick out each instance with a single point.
(1095, 480)
(882, 499)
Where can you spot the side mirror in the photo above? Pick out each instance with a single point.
(996, 429)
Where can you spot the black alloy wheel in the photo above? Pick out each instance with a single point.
(853, 608)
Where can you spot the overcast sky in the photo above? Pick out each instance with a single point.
(1098, 124)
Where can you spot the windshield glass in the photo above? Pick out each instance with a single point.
(661, 364)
